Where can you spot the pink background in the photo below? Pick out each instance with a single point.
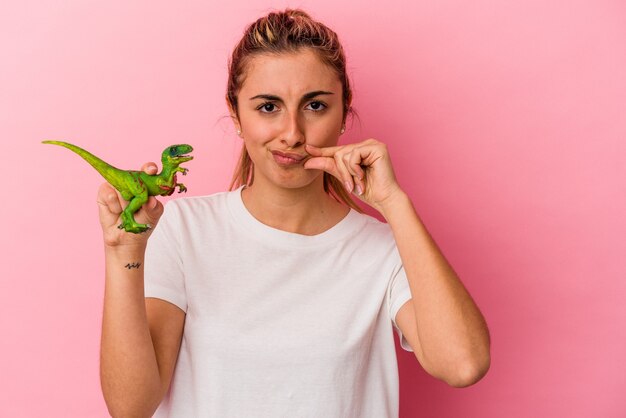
(506, 122)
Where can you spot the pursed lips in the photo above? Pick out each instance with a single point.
(288, 157)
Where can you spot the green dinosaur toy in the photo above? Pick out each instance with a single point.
(137, 186)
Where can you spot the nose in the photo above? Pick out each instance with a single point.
(293, 135)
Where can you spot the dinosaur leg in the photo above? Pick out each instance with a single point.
(181, 187)
(128, 219)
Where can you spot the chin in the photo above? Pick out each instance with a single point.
(299, 180)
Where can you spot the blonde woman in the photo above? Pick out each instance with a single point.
(279, 298)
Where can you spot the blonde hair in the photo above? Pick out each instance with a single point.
(277, 33)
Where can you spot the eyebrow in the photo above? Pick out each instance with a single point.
(275, 98)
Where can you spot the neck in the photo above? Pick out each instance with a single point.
(167, 170)
(308, 210)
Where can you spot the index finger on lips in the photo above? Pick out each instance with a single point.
(322, 151)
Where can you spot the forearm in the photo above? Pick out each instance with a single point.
(128, 367)
(453, 335)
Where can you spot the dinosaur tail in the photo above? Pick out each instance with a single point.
(106, 170)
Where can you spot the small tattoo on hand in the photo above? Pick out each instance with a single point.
(132, 265)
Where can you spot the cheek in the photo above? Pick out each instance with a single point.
(258, 133)
(328, 132)
(326, 137)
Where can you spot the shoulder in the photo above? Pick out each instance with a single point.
(371, 234)
(191, 204)
(371, 226)
(192, 210)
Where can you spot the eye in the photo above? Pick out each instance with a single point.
(267, 108)
(317, 106)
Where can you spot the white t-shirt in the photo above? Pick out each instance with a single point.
(278, 324)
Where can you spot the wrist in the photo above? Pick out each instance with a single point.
(391, 203)
(124, 260)
(125, 252)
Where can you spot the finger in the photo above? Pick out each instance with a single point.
(109, 199)
(150, 212)
(150, 168)
(359, 185)
(326, 164)
(351, 162)
(153, 209)
(360, 159)
(322, 152)
(345, 176)
(338, 169)
(354, 162)
(109, 207)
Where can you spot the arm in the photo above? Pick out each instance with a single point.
(441, 323)
(140, 337)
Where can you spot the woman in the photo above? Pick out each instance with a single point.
(279, 298)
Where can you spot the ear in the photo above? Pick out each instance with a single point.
(236, 122)
(234, 117)
(348, 111)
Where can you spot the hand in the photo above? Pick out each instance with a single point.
(111, 204)
(363, 168)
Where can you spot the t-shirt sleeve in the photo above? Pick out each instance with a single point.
(398, 294)
(163, 271)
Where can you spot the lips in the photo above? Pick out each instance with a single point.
(288, 158)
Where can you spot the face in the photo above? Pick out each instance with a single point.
(285, 102)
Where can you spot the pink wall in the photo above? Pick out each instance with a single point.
(506, 122)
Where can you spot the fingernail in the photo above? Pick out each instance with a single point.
(348, 186)
(359, 190)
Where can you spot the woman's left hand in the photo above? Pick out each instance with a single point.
(363, 168)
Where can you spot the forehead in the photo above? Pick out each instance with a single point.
(286, 74)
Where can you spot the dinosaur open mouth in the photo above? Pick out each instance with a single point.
(184, 157)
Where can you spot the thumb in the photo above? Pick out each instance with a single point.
(326, 164)
(150, 168)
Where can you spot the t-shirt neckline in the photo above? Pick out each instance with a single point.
(347, 226)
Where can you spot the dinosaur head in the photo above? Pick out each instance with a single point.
(175, 154)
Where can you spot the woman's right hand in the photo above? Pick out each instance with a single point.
(111, 204)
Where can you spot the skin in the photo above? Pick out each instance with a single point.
(284, 125)
(141, 337)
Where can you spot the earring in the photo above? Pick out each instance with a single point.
(343, 129)
(238, 132)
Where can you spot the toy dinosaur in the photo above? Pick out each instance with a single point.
(137, 186)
